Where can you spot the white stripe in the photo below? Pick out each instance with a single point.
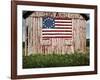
(56, 35)
(63, 20)
(63, 26)
(55, 32)
(54, 29)
(64, 23)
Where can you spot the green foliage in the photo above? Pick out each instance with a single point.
(55, 60)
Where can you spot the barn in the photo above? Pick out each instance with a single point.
(54, 32)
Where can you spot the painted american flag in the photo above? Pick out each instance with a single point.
(57, 28)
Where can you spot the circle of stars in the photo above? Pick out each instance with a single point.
(48, 22)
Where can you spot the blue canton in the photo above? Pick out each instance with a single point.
(48, 22)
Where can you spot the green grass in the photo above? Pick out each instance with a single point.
(55, 60)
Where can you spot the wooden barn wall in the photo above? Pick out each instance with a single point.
(55, 45)
(79, 35)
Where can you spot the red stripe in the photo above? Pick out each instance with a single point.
(50, 38)
(56, 34)
(56, 30)
(63, 27)
(63, 21)
(57, 37)
(63, 18)
(63, 24)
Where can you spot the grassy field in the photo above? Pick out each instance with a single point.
(55, 60)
